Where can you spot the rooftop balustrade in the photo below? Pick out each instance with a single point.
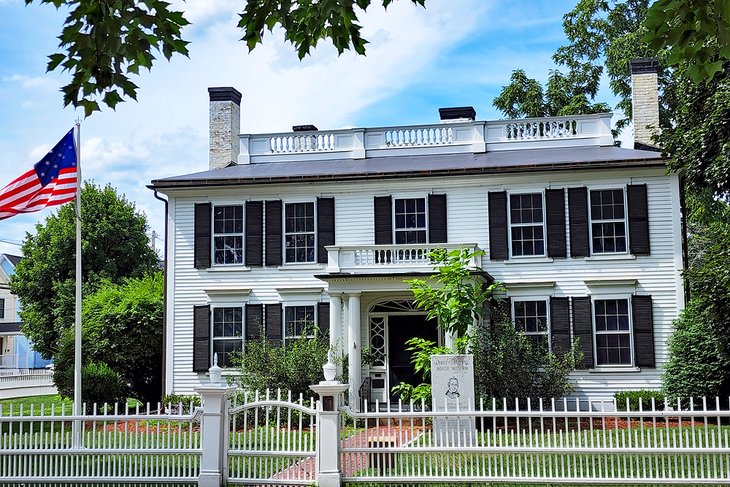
(445, 138)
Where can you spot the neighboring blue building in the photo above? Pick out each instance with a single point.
(16, 352)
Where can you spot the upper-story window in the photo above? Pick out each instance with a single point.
(531, 318)
(228, 234)
(227, 333)
(298, 321)
(613, 332)
(410, 221)
(527, 232)
(608, 221)
(299, 232)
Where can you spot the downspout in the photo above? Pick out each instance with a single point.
(164, 302)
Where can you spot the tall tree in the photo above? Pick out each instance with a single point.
(103, 42)
(114, 247)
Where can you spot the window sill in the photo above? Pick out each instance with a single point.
(600, 257)
(614, 369)
(529, 260)
(301, 266)
(229, 268)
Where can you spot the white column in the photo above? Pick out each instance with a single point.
(354, 349)
(337, 346)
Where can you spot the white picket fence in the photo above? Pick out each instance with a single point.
(117, 445)
(274, 439)
(543, 443)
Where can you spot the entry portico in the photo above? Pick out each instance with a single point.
(371, 308)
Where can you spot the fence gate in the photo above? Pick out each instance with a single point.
(272, 440)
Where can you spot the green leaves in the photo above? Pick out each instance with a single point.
(104, 41)
(696, 33)
(306, 22)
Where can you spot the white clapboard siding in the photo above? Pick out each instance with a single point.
(467, 212)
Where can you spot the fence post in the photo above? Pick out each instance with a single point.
(328, 427)
(214, 429)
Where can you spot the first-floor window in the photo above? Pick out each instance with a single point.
(299, 321)
(410, 221)
(299, 232)
(613, 332)
(531, 318)
(228, 234)
(227, 334)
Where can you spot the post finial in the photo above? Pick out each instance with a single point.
(215, 372)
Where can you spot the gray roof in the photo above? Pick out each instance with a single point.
(422, 165)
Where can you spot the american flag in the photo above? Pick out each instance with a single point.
(52, 181)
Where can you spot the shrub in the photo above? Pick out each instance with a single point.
(174, 401)
(642, 396)
(508, 365)
(293, 367)
(100, 384)
(697, 366)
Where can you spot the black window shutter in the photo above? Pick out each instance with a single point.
(254, 233)
(323, 318)
(273, 233)
(638, 219)
(498, 226)
(254, 321)
(274, 325)
(578, 217)
(201, 338)
(325, 227)
(437, 218)
(583, 329)
(555, 216)
(203, 212)
(383, 220)
(560, 324)
(642, 315)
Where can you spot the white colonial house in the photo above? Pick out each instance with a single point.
(323, 226)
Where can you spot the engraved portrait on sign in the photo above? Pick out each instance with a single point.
(452, 390)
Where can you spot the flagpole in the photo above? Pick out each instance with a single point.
(77, 433)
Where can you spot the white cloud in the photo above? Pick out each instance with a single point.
(29, 82)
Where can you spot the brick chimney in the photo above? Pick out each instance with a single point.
(225, 126)
(645, 101)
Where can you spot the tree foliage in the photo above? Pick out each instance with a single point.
(525, 97)
(103, 42)
(122, 331)
(457, 300)
(114, 247)
(696, 34)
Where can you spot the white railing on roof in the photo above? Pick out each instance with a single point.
(442, 138)
(389, 258)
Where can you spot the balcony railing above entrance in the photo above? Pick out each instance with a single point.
(389, 258)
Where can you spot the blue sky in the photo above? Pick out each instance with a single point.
(453, 53)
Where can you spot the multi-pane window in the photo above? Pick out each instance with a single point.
(531, 318)
(608, 221)
(227, 333)
(228, 234)
(298, 321)
(526, 224)
(2, 308)
(613, 332)
(299, 232)
(410, 221)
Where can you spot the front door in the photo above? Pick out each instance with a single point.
(402, 327)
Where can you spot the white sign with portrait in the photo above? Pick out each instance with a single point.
(452, 389)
